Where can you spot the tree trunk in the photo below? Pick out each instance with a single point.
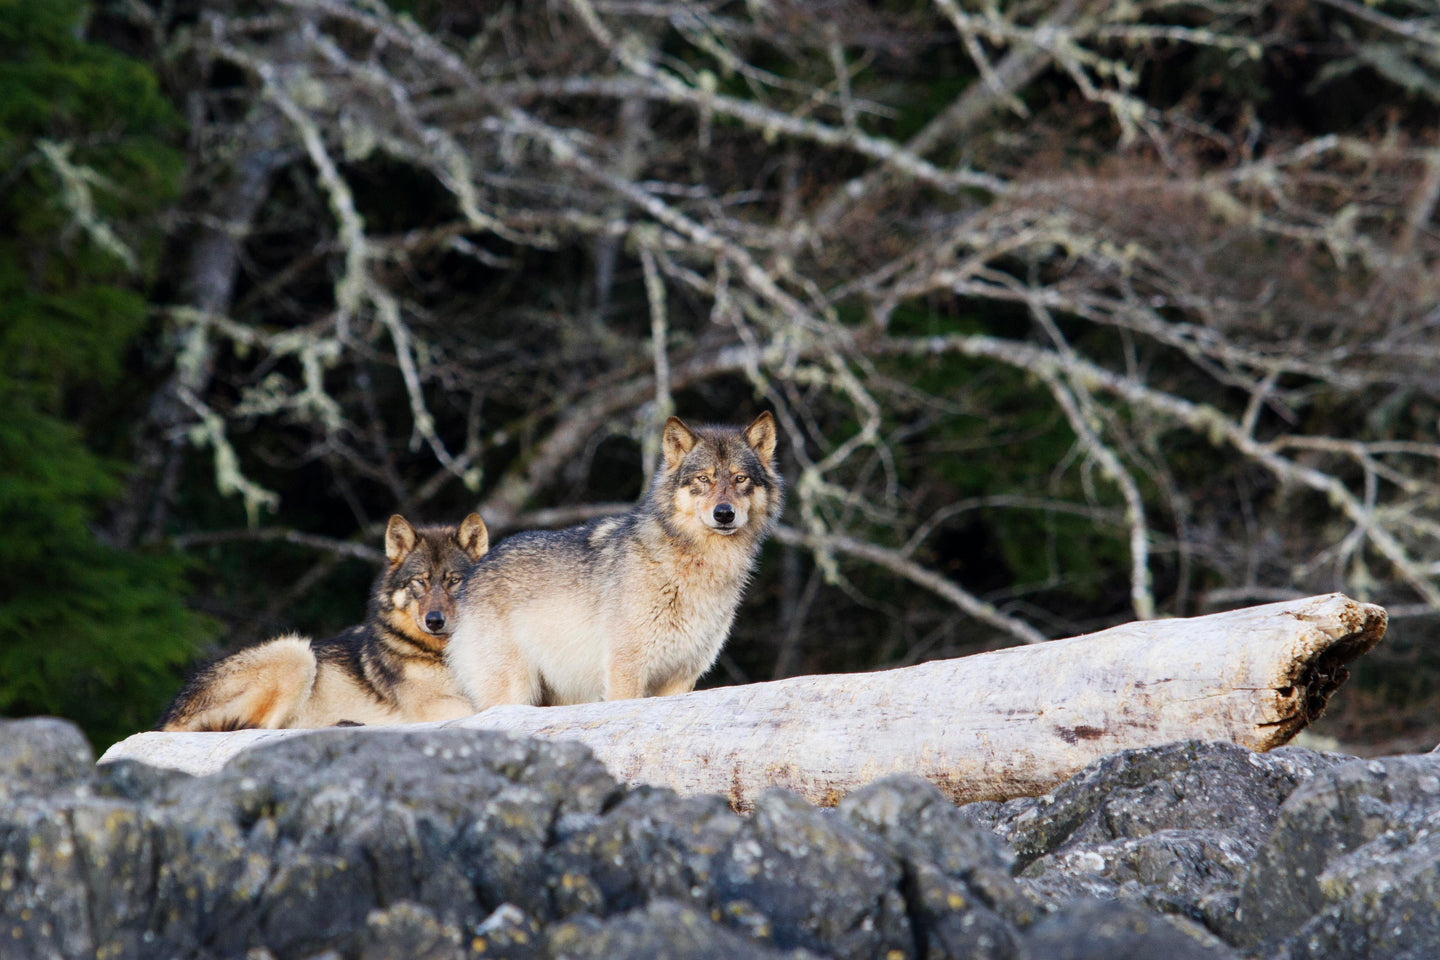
(1012, 723)
(212, 266)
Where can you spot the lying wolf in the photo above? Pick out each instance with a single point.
(628, 606)
(389, 669)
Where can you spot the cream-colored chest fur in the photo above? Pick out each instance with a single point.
(678, 621)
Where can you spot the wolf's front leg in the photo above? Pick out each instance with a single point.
(444, 708)
(623, 673)
(675, 685)
(514, 682)
(492, 671)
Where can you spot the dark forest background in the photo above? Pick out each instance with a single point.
(1071, 313)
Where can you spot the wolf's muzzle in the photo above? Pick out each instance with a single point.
(434, 621)
(724, 514)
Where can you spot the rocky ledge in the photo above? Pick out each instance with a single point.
(446, 844)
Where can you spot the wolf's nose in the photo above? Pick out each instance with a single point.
(724, 513)
(434, 621)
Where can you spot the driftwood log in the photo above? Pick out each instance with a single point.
(1015, 722)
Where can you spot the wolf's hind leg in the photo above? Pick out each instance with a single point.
(260, 687)
(487, 665)
(443, 708)
(676, 685)
(514, 682)
(502, 676)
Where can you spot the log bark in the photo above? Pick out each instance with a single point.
(994, 726)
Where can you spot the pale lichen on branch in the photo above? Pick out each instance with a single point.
(1148, 305)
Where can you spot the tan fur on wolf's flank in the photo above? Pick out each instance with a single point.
(631, 606)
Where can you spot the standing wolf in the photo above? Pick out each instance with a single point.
(389, 669)
(629, 606)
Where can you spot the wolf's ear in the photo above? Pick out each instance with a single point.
(677, 441)
(472, 536)
(400, 539)
(761, 436)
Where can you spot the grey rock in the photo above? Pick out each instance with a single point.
(509, 933)
(1110, 930)
(342, 823)
(789, 874)
(1387, 904)
(362, 844)
(653, 844)
(289, 848)
(824, 885)
(662, 930)
(955, 874)
(408, 930)
(1350, 869)
(131, 780)
(1191, 785)
(1172, 826)
(40, 754)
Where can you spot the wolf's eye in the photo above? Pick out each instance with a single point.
(453, 579)
(740, 478)
(418, 583)
(701, 478)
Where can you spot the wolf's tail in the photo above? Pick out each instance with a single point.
(258, 687)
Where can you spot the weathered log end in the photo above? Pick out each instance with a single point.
(1340, 630)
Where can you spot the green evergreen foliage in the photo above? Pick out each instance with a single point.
(87, 631)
